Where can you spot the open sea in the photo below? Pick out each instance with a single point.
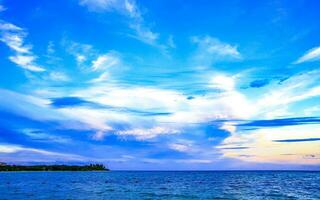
(120, 185)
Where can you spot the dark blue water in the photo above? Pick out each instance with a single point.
(160, 185)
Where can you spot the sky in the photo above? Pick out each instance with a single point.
(161, 85)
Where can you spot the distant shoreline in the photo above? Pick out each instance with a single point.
(49, 168)
(57, 171)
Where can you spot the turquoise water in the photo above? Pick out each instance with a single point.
(160, 185)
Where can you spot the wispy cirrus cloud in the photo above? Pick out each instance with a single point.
(297, 88)
(45, 137)
(103, 64)
(130, 9)
(179, 147)
(58, 76)
(148, 133)
(92, 61)
(311, 55)
(185, 146)
(210, 49)
(13, 36)
(83, 53)
(27, 154)
(105, 61)
(125, 7)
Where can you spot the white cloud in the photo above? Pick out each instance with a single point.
(103, 77)
(80, 58)
(15, 42)
(223, 82)
(12, 148)
(98, 5)
(58, 76)
(9, 27)
(13, 37)
(278, 100)
(144, 34)
(94, 119)
(228, 126)
(22, 60)
(311, 55)
(143, 134)
(130, 9)
(105, 61)
(16, 148)
(27, 105)
(125, 7)
(81, 52)
(180, 147)
(127, 103)
(133, 97)
(39, 109)
(40, 135)
(225, 105)
(228, 103)
(26, 62)
(212, 50)
(8, 149)
(295, 89)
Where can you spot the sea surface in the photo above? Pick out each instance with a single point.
(120, 185)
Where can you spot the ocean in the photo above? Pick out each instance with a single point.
(136, 185)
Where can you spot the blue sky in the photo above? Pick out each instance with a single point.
(161, 84)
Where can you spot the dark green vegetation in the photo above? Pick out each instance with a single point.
(91, 167)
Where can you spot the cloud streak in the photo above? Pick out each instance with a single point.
(13, 36)
(311, 55)
(210, 50)
(129, 9)
(299, 140)
(105, 61)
